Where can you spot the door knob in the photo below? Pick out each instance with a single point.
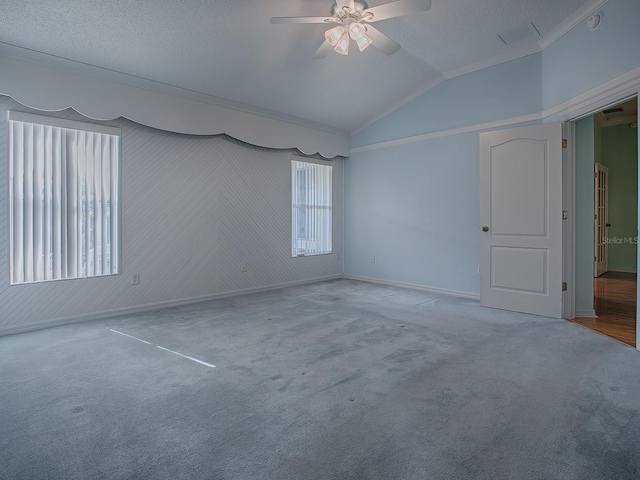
(485, 229)
(607, 225)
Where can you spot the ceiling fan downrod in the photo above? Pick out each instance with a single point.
(345, 12)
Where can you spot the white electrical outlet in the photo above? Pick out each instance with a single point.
(135, 279)
(243, 267)
(372, 259)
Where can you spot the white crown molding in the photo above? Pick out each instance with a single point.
(155, 306)
(571, 21)
(414, 286)
(400, 103)
(509, 55)
(611, 92)
(445, 133)
(513, 54)
(597, 98)
(20, 53)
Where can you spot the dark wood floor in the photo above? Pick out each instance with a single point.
(615, 305)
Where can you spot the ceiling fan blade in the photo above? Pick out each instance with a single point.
(323, 51)
(381, 41)
(397, 9)
(302, 20)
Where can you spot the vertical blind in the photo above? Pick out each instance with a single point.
(63, 199)
(311, 208)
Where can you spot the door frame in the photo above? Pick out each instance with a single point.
(569, 116)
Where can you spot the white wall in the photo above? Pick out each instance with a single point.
(193, 209)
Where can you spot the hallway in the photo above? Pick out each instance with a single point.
(615, 305)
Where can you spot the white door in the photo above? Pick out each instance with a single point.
(601, 220)
(521, 219)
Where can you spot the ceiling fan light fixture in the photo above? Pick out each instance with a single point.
(363, 42)
(333, 35)
(353, 18)
(342, 47)
(357, 32)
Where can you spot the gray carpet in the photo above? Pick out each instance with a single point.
(334, 380)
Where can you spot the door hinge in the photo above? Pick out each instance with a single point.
(564, 286)
(564, 143)
(595, 259)
(595, 174)
(565, 215)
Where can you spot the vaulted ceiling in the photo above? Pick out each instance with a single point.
(229, 49)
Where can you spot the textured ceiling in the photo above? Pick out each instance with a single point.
(229, 49)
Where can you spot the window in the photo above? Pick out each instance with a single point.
(311, 208)
(63, 199)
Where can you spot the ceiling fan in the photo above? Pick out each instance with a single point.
(351, 19)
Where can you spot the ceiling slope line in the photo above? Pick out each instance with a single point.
(547, 40)
(565, 26)
(611, 92)
(406, 99)
(508, 56)
(446, 133)
(570, 22)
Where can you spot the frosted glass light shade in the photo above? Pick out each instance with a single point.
(363, 42)
(333, 35)
(357, 32)
(342, 47)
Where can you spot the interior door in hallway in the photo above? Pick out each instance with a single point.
(521, 219)
(601, 220)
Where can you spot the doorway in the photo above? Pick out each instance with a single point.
(614, 150)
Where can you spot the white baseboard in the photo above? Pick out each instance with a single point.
(154, 306)
(622, 270)
(586, 314)
(414, 286)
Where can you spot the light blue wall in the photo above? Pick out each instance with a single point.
(585, 154)
(508, 90)
(416, 206)
(583, 59)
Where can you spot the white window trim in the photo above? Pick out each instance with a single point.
(325, 163)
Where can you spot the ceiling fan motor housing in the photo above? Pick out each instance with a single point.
(360, 6)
